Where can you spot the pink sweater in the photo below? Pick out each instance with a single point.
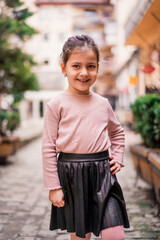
(78, 124)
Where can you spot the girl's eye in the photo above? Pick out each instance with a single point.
(76, 66)
(92, 66)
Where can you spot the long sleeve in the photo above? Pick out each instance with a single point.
(50, 132)
(78, 124)
(117, 137)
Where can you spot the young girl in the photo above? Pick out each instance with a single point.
(79, 128)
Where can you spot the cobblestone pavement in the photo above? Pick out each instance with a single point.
(25, 208)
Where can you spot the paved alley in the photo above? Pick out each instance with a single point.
(25, 208)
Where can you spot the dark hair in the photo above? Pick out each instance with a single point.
(78, 42)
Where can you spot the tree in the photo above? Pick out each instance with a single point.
(16, 74)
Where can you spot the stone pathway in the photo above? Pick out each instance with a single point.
(25, 208)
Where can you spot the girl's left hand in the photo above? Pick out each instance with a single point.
(115, 166)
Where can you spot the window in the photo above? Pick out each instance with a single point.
(45, 36)
(41, 109)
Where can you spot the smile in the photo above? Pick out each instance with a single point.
(83, 80)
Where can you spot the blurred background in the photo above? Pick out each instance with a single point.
(32, 33)
(127, 33)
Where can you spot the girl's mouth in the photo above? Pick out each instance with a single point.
(83, 81)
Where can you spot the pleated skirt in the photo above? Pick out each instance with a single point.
(93, 197)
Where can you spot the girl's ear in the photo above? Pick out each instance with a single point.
(63, 68)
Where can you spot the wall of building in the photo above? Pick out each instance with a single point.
(55, 23)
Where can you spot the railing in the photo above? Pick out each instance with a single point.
(84, 2)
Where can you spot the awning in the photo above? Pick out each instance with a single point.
(147, 31)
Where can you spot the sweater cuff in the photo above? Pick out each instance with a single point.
(53, 188)
(122, 165)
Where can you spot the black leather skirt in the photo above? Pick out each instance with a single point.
(93, 197)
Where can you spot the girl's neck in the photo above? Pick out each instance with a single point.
(67, 92)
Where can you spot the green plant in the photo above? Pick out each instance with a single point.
(13, 121)
(3, 119)
(146, 115)
(157, 122)
(16, 74)
(9, 121)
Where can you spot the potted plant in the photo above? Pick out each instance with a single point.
(8, 143)
(146, 158)
(16, 74)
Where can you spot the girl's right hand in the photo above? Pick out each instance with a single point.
(57, 197)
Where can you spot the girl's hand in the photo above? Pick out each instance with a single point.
(115, 166)
(57, 197)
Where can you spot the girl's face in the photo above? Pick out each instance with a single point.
(81, 70)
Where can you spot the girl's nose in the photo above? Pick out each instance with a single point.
(84, 72)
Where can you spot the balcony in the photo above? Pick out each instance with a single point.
(74, 2)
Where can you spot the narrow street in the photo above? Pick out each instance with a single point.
(25, 208)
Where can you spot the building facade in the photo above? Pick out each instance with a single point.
(55, 21)
(138, 53)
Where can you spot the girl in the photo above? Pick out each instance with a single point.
(79, 128)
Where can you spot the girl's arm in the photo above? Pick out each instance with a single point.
(116, 136)
(50, 132)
